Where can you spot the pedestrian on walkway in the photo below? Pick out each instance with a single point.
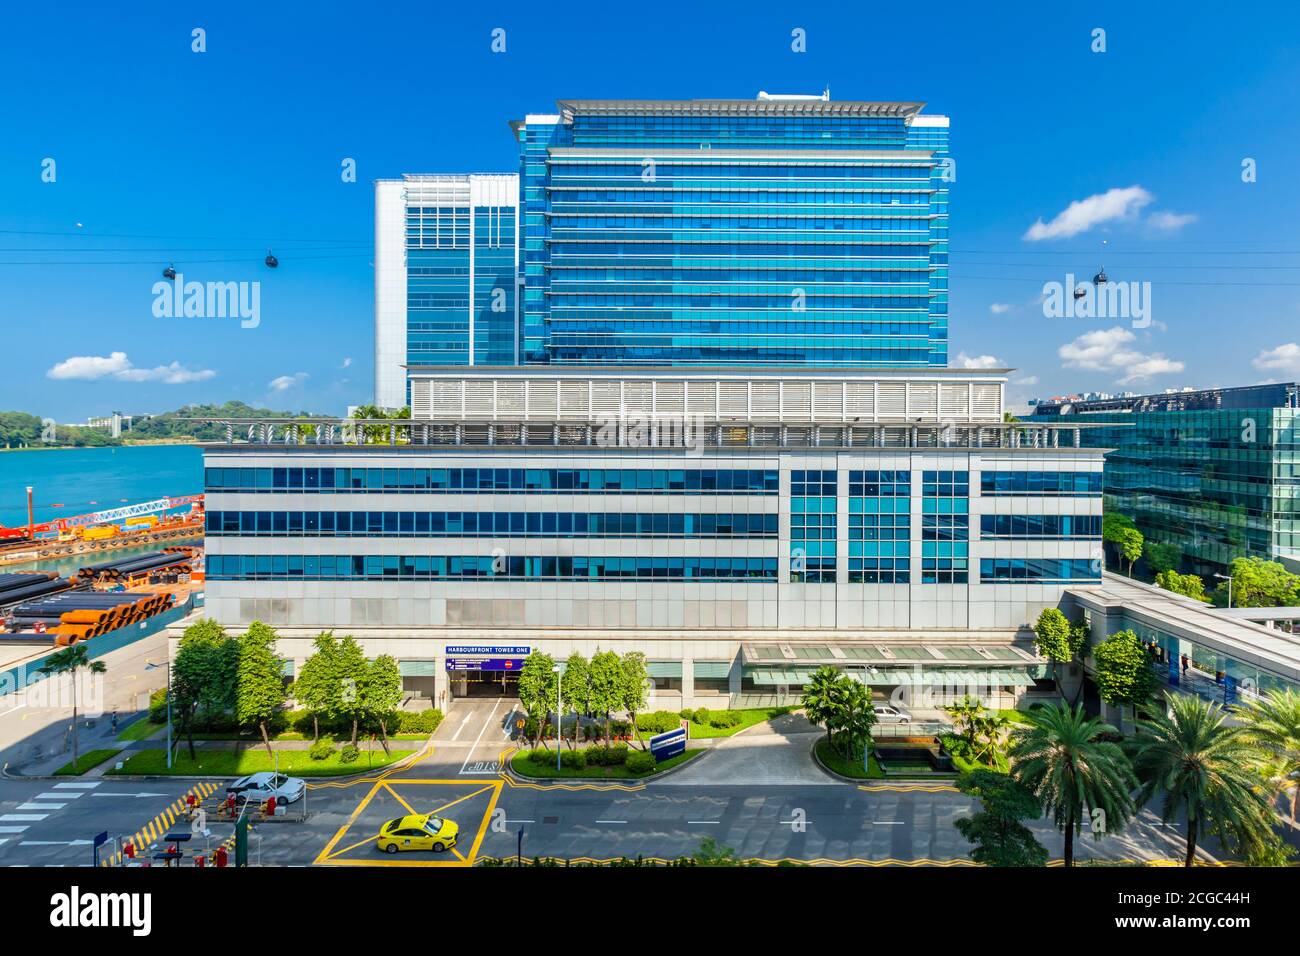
(114, 723)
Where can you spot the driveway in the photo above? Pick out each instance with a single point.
(776, 753)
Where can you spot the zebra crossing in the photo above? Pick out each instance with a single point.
(40, 807)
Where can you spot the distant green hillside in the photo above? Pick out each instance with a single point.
(23, 430)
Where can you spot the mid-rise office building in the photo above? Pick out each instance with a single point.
(737, 527)
(1214, 472)
(445, 267)
(779, 231)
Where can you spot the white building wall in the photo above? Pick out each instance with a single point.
(390, 293)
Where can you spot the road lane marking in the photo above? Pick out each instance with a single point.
(463, 723)
(611, 821)
(699, 822)
(41, 806)
(13, 829)
(22, 817)
(58, 796)
(482, 730)
(76, 786)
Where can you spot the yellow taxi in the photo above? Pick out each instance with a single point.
(418, 831)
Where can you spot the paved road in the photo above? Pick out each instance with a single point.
(39, 715)
(52, 822)
(815, 820)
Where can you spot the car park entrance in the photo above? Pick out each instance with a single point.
(485, 670)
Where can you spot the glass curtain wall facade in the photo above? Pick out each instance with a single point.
(769, 233)
(1216, 483)
(445, 276)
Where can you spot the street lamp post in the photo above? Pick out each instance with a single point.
(151, 667)
(559, 714)
(1228, 578)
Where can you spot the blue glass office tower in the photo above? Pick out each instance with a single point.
(781, 231)
(445, 275)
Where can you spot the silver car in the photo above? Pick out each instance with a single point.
(260, 787)
(887, 713)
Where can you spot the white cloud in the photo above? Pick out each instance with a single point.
(1170, 221)
(286, 382)
(977, 361)
(89, 368)
(1107, 350)
(346, 362)
(1027, 380)
(1283, 358)
(1082, 214)
(999, 308)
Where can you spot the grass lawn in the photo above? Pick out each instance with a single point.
(528, 768)
(86, 761)
(228, 763)
(966, 766)
(1015, 716)
(836, 762)
(139, 730)
(748, 718)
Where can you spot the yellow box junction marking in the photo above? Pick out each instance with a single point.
(333, 856)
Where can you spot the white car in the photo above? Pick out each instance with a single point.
(260, 787)
(885, 713)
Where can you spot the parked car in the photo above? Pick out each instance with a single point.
(887, 714)
(418, 831)
(260, 787)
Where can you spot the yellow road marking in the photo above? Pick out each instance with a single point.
(330, 856)
(460, 800)
(398, 797)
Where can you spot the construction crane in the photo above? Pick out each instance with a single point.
(63, 525)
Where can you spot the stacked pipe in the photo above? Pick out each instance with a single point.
(86, 614)
(132, 567)
(15, 588)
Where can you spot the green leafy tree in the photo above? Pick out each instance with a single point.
(1188, 585)
(1273, 727)
(1130, 543)
(1059, 640)
(606, 687)
(260, 689)
(1200, 767)
(996, 830)
(1259, 583)
(1162, 557)
(820, 702)
(577, 691)
(537, 689)
(381, 694)
(1075, 775)
(634, 683)
(1123, 673)
(72, 660)
(318, 687)
(205, 674)
(353, 669)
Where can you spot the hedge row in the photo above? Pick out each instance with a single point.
(300, 722)
(637, 761)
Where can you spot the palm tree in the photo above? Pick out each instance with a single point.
(1060, 757)
(821, 699)
(68, 661)
(857, 714)
(1201, 766)
(1273, 725)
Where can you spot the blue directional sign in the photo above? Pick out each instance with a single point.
(100, 839)
(668, 744)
